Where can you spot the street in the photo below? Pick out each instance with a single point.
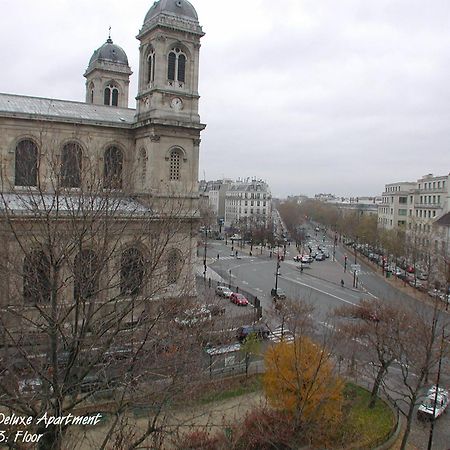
(319, 283)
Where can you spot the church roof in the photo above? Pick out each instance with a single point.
(20, 106)
(181, 8)
(110, 52)
(35, 204)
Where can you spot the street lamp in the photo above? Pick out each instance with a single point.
(441, 351)
(204, 254)
(277, 273)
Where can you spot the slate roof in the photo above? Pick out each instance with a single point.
(35, 204)
(443, 221)
(20, 106)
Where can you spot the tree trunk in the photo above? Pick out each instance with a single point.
(409, 419)
(376, 386)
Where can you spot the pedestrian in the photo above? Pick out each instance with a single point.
(342, 283)
(236, 253)
(218, 256)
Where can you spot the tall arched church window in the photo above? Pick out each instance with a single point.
(86, 275)
(175, 165)
(113, 163)
(36, 278)
(71, 158)
(176, 66)
(26, 163)
(151, 66)
(131, 272)
(174, 262)
(111, 95)
(91, 92)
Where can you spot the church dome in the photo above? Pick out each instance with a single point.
(109, 52)
(180, 8)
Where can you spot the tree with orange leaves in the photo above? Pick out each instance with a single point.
(299, 379)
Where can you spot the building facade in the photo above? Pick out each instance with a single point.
(247, 201)
(395, 204)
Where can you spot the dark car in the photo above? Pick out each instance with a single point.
(261, 331)
(320, 257)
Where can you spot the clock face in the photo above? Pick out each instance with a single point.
(176, 104)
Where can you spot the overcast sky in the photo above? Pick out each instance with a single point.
(339, 96)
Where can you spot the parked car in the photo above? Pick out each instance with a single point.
(278, 293)
(238, 299)
(261, 331)
(223, 291)
(434, 404)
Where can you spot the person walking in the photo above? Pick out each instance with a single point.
(342, 283)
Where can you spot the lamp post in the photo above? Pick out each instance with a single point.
(204, 254)
(354, 272)
(276, 273)
(441, 351)
(334, 247)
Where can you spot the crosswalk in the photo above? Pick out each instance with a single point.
(280, 334)
(225, 258)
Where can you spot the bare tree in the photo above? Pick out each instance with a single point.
(91, 281)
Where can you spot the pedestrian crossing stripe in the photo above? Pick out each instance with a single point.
(234, 257)
(281, 334)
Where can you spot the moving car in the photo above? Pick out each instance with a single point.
(238, 299)
(223, 291)
(261, 331)
(320, 257)
(434, 404)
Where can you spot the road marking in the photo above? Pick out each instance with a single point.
(321, 291)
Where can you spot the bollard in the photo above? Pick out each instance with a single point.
(209, 282)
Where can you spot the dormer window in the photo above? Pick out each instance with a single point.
(176, 67)
(111, 95)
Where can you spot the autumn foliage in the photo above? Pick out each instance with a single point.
(299, 379)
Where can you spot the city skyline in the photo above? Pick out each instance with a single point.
(306, 96)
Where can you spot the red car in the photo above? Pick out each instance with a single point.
(239, 299)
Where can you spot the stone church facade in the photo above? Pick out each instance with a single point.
(63, 161)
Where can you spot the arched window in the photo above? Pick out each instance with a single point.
(151, 66)
(174, 261)
(175, 165)
(26, 164)
(91, 92)
(71, 158)
(86, 275)
(36, 278)
(176, 66)
(131, 272)
(111, 95)
(113, 162)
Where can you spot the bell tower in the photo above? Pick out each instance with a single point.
(169, 63)
(108, 76)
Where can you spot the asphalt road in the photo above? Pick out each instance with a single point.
(319, 284)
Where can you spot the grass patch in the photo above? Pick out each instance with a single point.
(367, 426)
(238, 387)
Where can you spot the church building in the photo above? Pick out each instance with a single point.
(98, 199)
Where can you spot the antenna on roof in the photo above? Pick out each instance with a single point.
(109, 35)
